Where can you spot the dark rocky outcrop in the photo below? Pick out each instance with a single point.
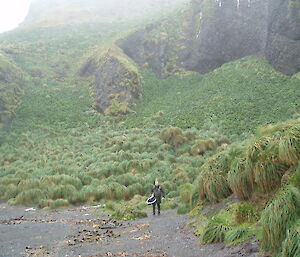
(214, 32)
(283, 43)
(146, 51)
(231, 29)
(116, 81)
(225, 32)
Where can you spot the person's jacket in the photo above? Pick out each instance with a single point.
(158, 193)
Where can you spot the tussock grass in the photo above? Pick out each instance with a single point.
(213, 186)
(236, 235)
(272, 154)
(186, 195)
(212, 181)
(59, 203)
(62, 192)
(289, 144)
(291, 244)
(173, 136)
(91, 193)
(28, 184)
(268, 173)
(240, 180)
(278, 217)
(245, 212)
(201, 146)
(11, 191)
(183, 209)
(214, 231)
(30, 197)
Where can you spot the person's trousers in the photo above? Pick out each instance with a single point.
(158, 207)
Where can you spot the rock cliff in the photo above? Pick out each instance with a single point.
(214, 32)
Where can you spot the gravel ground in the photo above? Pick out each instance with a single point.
(87, 231)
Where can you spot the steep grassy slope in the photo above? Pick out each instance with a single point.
(238, 96)
(55, 95)
(12, 80)
(263, 172)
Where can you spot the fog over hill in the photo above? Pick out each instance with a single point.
(58, 12)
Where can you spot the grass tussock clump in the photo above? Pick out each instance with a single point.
(201, 146)
(29, 196)
(59, 203)
(278, 217)
(129, 210)
(212, 181)
(224, 226)
(128, 213)
(240, 180)
(213, 186)
(173, 136)
(186, 193)
(276, 149)
(291, 244)
(268, 161)
(216, 228)
(245, 212)
(236, 235)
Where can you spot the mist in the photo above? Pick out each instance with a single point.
(10, 16)
(57, 12)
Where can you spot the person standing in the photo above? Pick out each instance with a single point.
(159, 194)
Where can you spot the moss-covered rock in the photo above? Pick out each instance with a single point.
(147, 52)
(117, 80)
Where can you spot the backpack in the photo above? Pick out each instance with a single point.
(157, 192)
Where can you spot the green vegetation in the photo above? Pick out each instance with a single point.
(12, 79)
(223, 224)
(110, 66)
(278, 218)
(233, 131)
(110, 165)
(235, 97)
(291, 245)
(265, 165)
(133, 209)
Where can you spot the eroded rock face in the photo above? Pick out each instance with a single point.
(214, 32)
(233, 29)
(283, 43)
(116, 82)
(145, 51)
(228, 32)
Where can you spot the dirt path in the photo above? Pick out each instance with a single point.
(85, 231)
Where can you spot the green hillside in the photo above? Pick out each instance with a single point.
(237, 96)
(231, 136)
(12, 80)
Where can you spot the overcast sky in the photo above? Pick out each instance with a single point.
(12, 13)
